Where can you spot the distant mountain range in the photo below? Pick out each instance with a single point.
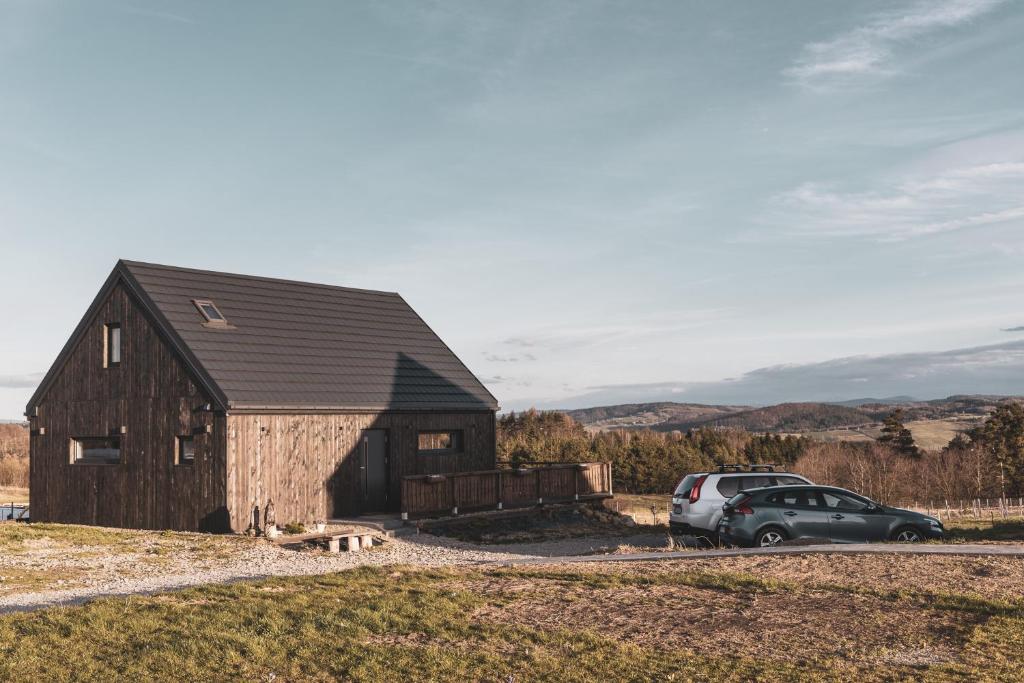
(784, 417)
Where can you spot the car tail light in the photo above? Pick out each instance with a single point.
(743, 507)
(695, 491)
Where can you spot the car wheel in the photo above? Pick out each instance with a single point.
(770, 537)
(907, 534)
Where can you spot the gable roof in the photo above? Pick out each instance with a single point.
(298, 345)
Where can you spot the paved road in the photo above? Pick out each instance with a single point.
(1011, 550)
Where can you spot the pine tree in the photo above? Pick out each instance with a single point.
(896, 434)
(1002, 435)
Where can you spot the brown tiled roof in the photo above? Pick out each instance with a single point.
(306, 346)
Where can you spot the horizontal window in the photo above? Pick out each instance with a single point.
(96, 450)
(439, 442)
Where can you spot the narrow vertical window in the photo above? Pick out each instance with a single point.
(111, 344)
(186, 450)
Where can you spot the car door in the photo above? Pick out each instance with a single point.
(851, 520)
(801, 513)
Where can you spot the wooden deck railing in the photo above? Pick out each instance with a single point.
(432, 494)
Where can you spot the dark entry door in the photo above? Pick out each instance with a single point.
(373, 468)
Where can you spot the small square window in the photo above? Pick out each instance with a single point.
(111, 345)
(185, 453)
(439, 442)
(210, 312)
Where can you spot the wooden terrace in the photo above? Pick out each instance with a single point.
(531, 484)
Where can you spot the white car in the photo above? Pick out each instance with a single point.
(698, 500)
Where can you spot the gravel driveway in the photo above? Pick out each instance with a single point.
(121, 574)
(93, 574)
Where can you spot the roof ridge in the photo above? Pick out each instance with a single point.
(181, 269)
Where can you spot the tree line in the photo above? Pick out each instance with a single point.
(984, 462)
(13, 455)
(643, 461)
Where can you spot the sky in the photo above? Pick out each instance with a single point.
(591, 202)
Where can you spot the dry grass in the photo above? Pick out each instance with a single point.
(767, 625)
(40, 557)
(931, 435)
(645, 508)
(740, 620)
(986, 578)
(13, 494)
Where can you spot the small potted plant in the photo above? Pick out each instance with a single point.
(319, 525)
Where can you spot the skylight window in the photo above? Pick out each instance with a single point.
(210, 312)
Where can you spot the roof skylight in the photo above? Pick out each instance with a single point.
(210, 312)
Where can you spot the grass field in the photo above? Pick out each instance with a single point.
(808, 618)
(10, 494)
(931, 435)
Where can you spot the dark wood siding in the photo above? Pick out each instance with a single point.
(505, 488)
(308, 465)
(152, 395)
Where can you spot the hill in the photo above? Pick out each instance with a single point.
(933, 421)
(785, 417)
(649, 415)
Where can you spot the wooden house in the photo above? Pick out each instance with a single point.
(188, 399)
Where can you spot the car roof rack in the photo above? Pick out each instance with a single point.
(740, 467)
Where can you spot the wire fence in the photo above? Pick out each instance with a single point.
(10, 512)
(651, 509)
(973, 508)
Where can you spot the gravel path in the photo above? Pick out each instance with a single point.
(111, 576)
(107, 578)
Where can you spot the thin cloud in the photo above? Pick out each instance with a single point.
(869, 50)
(1014, 329)
(495, 358)
(27, 381)
(996, 369)
(957, 199)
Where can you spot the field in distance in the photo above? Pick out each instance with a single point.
(931, 435)
(933, 423)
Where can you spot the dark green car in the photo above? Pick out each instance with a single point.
(773, 514)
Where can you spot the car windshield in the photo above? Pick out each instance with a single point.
(686, 484)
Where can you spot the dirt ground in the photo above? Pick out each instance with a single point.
(876, 610)
(803, 624)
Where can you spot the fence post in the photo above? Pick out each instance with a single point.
(498, 494)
